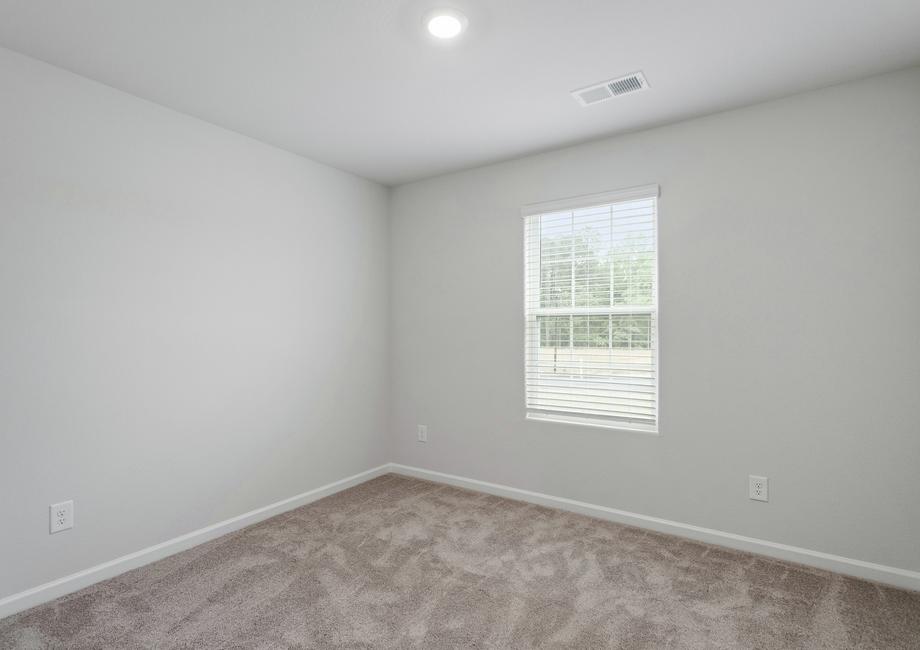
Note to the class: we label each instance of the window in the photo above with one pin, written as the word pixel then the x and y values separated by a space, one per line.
pixel 591 307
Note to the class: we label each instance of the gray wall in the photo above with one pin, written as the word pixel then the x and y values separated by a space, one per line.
pixel 192 323
pixel 790 313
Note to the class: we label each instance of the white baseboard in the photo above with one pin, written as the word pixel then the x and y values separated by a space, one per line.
pixel 62 586
pixel 903 578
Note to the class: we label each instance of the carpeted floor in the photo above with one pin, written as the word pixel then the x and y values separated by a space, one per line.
pixel 403 563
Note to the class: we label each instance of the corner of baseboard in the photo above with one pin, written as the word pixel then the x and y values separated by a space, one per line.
pixel 42 593
pixel 896 577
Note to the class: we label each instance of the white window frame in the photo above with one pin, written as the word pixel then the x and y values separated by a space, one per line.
pixel 575 203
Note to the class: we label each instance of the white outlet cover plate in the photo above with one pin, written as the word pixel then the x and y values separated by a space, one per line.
pixel 759 488
pixel 423 433
pixel 60 516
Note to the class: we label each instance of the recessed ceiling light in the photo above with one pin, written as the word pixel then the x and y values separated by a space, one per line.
pixel 445 23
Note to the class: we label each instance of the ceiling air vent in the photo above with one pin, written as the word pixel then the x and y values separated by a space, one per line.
pixel 631 83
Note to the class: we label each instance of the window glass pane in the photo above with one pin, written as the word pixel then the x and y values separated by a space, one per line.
pixel 632 254
pixel 632 331
pixel 591 331
pixel 556 260
pixel 554 331
pixel 591 252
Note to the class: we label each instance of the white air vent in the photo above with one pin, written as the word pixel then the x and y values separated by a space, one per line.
pixel 605 90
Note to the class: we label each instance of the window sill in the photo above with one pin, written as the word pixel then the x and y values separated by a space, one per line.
pixel 597 423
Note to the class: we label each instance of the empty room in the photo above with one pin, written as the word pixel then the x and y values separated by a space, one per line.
pixel 459 324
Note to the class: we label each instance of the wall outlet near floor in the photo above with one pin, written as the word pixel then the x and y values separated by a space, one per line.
pixel 423 433
pixel 61 516
pixel 759 488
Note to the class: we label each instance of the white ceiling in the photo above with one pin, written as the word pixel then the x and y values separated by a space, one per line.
pixel 358 84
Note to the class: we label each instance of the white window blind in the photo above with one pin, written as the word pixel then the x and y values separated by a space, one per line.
pixel 591 310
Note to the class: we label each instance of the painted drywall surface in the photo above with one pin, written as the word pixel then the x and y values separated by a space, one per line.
pixel 191 323
pixel 790 312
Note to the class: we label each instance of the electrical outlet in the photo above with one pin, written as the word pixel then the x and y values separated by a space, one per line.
pixel 61 515
pixel 759 488
pixel 423 433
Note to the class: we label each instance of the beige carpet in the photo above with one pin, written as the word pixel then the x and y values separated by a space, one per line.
pixel 403 563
